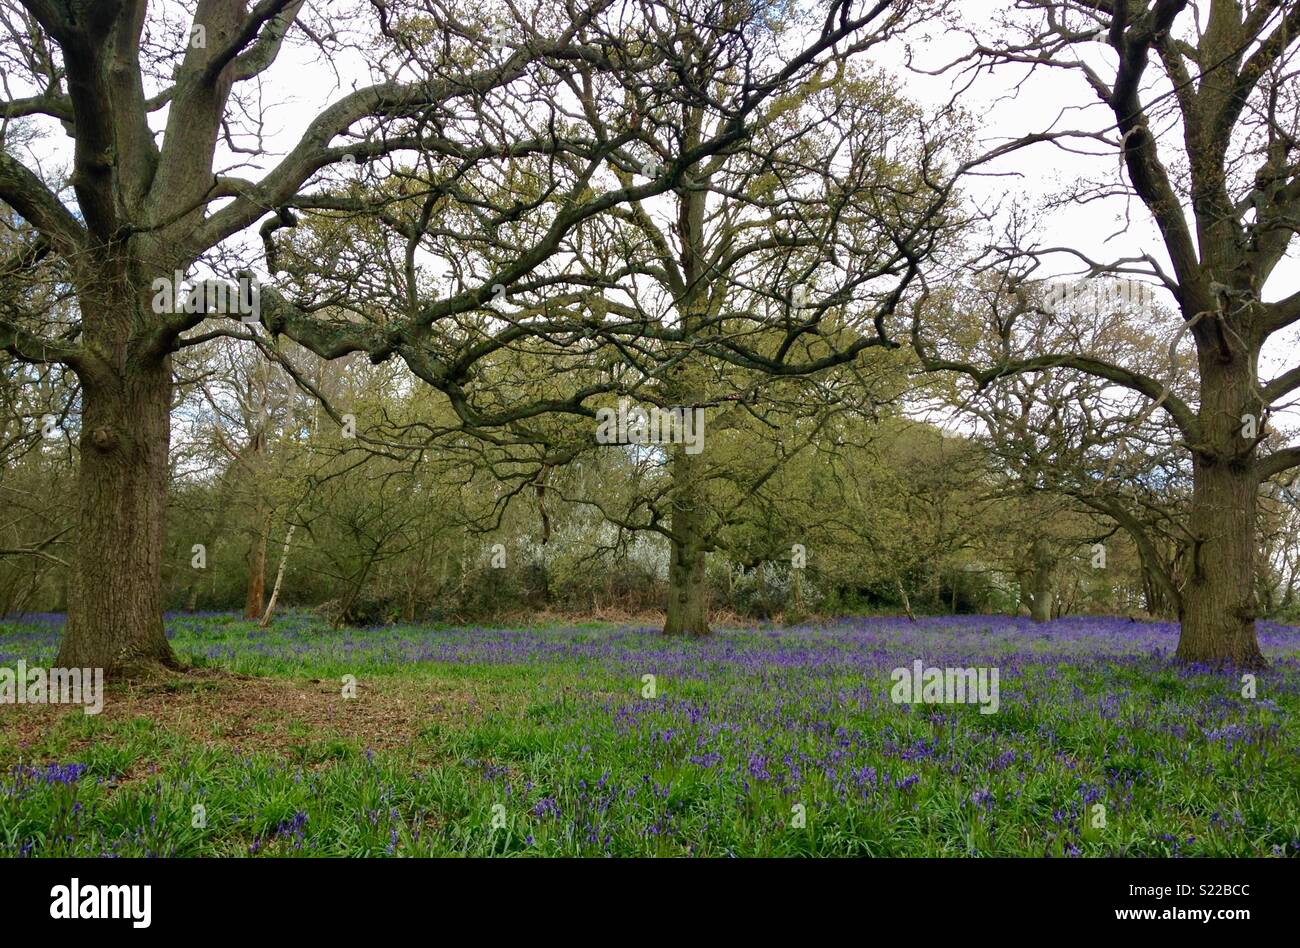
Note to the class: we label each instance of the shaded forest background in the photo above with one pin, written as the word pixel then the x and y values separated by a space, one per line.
pixel 883 512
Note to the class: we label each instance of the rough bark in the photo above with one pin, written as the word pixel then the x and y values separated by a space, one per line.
pixel 255 592
pixel 1040 592
pixel 1219 608
pixel 688 600
pixel 115 617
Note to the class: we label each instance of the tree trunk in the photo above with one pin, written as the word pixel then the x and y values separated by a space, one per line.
pixel 1218 619
pixel 115 616
pixel 354 591
pixel 902 594
pixel 1156 598
pixel 255 594
pixel 1152 599
pixel 687 387
pixel 688 599
pixel 1040 581
pixel 279 577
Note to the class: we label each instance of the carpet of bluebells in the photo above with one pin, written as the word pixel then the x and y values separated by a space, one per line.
pixel 764 741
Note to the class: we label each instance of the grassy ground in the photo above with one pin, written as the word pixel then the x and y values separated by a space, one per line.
pixel 540 742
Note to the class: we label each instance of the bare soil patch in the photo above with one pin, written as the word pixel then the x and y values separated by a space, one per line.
pixel 255 713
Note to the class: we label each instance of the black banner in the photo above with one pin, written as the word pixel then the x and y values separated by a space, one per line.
pixel 145 898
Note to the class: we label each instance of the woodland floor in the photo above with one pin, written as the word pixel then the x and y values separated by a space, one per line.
pixel 758 741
